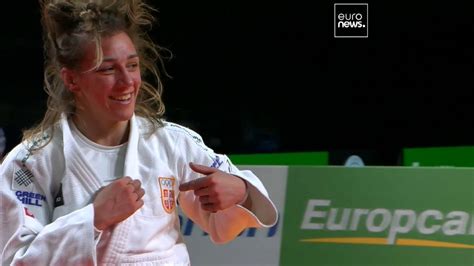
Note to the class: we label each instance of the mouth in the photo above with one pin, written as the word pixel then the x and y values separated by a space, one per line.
pixel 125 98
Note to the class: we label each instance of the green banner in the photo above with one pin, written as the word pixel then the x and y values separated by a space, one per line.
pixel 378 216
pixel 439 156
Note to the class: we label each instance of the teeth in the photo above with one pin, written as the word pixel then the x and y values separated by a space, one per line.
pixel 122 98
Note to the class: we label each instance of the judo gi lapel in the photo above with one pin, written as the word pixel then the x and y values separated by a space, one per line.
pixel 131 158
pixel 75 162
pixel 123 229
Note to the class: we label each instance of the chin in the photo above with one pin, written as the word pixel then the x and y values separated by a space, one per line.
pixel 125 116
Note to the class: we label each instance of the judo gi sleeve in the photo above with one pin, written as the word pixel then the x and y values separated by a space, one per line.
pixel 223 226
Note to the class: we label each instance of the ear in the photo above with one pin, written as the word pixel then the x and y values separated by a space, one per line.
pixel 69 78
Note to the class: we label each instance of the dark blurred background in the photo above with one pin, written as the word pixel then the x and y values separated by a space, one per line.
pixel 269 76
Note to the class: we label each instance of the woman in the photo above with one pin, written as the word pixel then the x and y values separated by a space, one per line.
pixel 98 180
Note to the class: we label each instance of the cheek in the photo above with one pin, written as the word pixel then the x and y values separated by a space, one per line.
pixel 98 88
pixel 137 81
pixel 98 84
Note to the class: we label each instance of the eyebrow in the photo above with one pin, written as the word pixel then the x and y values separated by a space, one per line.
pixel 108 59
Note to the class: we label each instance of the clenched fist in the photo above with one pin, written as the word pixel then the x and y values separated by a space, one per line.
pixel 117 201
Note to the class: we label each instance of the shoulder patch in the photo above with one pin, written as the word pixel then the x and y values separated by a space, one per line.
pixel 216 162
pixel 22 178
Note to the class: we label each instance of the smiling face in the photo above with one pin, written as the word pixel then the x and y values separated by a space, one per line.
pixel 106 94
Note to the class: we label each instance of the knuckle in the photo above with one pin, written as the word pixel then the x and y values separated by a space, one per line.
pixel 132 197
pixel 128 189
pixel 122 184
pixel 212 180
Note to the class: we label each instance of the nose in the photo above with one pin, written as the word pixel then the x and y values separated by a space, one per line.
pixel 125 78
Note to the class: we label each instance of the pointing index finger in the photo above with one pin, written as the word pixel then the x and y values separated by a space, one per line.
pixel 194 184
pixel 202 169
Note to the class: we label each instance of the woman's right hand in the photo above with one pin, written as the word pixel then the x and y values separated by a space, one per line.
pixel 117 201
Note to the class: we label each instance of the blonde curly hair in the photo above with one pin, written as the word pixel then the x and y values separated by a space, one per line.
pixel 67 26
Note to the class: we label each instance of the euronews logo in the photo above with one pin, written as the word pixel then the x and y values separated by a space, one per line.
pixel 393 223
pixel 351 20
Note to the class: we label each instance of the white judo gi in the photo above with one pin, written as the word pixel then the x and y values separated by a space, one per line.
pixel 47 216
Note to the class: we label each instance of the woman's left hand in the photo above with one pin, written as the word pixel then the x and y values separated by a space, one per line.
pixel 217 190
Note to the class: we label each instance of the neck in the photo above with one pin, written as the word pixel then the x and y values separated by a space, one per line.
pixel 101 132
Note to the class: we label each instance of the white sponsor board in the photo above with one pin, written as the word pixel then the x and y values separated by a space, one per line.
pixel 254 246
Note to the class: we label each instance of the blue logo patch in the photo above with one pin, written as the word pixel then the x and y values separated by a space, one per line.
pixel 30 198
pixel 216 163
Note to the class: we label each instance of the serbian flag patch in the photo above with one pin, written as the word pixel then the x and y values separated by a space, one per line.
pixel 167 193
